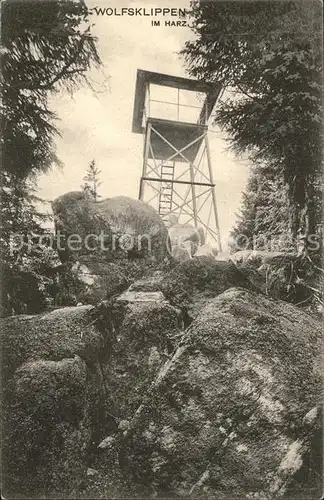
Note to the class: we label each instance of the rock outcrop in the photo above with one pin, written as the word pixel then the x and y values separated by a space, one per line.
pixel 113 228
pixel 181 386
pixel 191 283
pixel 71 376
pixel 233 413
pixel 145 329
pixel 54 400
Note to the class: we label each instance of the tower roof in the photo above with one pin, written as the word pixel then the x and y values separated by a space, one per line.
pixel 144 78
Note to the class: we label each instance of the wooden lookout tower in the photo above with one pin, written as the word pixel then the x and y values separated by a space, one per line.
pixel 173 113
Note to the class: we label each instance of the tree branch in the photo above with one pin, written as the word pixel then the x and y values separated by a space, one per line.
pixel 29 85
pixel 255 99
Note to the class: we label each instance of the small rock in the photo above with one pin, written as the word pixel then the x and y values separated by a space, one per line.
pixel 204 250
pixel 107 442
pixel 311 416
pixel 123 425
pixel 92 472
pixel 180 253
pixel 132 296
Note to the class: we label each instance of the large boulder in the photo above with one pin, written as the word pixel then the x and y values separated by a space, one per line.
pixel 233 414
pixel 145 329
pixel 54 400
pixel 179 233
pixel 112 228
pixel 191 283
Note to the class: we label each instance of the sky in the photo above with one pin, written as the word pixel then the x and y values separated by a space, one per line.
pixel 97 125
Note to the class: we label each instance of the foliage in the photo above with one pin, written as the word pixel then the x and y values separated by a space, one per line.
pixel 263 222
pixel 286 276
pixel 92 181
pixel 19 214
pixel 46 47
pixel 269 54
pixel 295 281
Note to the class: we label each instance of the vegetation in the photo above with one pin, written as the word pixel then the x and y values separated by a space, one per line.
pixel 267 57
pixel 46 47
pixel 92 180
pixel 268 53
pixel 263 222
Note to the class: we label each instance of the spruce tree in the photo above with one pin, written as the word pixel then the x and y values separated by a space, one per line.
pixel 47 46
pixel 92 180
pixel 269 55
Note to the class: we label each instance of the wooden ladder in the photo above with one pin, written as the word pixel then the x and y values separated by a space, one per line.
pixel 166 192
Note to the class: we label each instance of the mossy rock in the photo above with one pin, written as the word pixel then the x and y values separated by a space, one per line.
pixel 191 283
pixel 111 229
pixel 233 414
pixel 54 400
pixel 145 328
